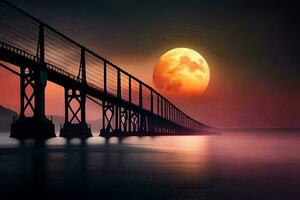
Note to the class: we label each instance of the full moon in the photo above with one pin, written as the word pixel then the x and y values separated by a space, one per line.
pixel 181 71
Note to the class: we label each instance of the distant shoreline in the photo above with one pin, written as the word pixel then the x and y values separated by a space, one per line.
pixel 258 129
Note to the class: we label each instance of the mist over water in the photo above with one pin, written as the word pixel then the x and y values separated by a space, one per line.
pixel 232 165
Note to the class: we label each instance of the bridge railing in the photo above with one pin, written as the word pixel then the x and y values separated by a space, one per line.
pixel 64 55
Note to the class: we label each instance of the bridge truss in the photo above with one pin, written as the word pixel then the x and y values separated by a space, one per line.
pixel 129 106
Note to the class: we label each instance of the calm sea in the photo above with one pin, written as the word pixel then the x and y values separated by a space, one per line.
pixel 232 165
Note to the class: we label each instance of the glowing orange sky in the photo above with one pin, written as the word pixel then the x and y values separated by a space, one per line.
pixel 251 50
pixel 219 106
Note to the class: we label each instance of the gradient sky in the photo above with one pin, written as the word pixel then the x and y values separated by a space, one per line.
pixel 250 46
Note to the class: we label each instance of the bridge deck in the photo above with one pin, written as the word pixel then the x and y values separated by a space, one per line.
pixel 61 77
pixel 25 41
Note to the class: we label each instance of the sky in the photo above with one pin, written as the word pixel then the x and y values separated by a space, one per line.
pixel 251 48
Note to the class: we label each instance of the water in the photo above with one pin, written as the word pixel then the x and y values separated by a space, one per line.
pixel 240 165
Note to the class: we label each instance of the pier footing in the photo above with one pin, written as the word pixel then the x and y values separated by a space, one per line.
pixel 32 128
pixel 76 131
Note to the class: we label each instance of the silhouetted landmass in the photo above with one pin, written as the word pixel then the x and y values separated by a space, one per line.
pixel 258 130
pixel 60 120
pixel 6 117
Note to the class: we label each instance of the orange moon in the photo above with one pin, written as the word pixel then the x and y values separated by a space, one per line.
pixel 181 71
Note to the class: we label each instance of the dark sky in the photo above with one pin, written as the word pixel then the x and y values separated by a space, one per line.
pixel 251 47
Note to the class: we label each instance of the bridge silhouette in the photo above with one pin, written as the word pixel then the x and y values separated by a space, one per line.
pixel 129 106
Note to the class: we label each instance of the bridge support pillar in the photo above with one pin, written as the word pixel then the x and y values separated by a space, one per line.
pixel 115 120
pixel 124 120
pixel 32 122
pixel 143 126
pixel 151 126
pixel 119 121
pixel 133 122
pixel 108 114
pixel 75 125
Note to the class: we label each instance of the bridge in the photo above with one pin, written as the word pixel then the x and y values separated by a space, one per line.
pixel 42 54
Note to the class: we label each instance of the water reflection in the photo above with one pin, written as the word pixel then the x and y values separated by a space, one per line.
pixel 8 142
pixel 227 166
pixel 96 141
pixel 147 165
pixel 56 141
